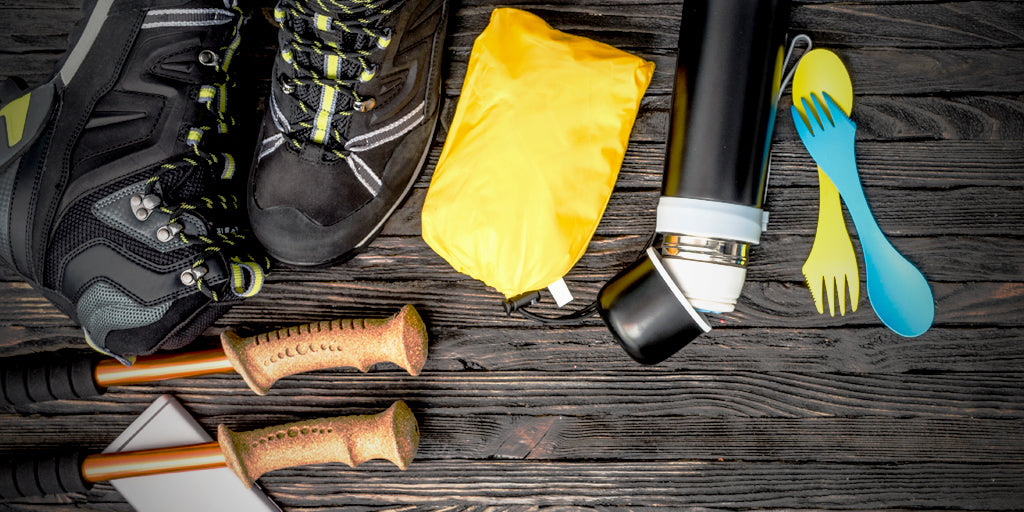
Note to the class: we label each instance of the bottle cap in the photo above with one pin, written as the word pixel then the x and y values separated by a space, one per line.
pixel 647 312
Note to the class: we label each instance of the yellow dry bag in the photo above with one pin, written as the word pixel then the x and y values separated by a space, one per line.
pixel 533 152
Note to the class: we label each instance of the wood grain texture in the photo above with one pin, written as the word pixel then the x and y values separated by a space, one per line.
pixel 873 71
pixel 979 24
pixel 673 485
pixel 470 303
pixel 777 408
pixel 631 438
pixel 533 348
pixel 742 394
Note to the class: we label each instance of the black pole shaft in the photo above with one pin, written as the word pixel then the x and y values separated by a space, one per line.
pixel 43 475
pixel 48 378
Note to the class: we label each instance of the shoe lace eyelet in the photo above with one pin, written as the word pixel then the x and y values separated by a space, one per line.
pixel 365 105
pixel 385 39
pixel 143 205
pixel 209 58
pixel 191 276
pixel 287 88
pixel 167 233
pixel 368 73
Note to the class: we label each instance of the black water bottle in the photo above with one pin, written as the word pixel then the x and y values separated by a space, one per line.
pixel 716 169
pixel 723 108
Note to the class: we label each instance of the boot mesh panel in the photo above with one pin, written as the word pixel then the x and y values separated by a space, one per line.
pixel 102 308
pixel 79 226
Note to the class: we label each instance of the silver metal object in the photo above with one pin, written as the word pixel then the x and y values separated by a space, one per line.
pixel 191 276
pixel 143 205
pixel 208 58
pixel 712 250
pixel 168 232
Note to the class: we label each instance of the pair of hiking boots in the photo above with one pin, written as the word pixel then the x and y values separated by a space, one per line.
pixel 135 193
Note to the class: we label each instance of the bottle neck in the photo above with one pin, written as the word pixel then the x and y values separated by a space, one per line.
pixel 710 250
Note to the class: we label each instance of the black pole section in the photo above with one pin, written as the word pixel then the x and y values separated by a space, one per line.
pixel 722 105
pixel 44 379
pixel 41 476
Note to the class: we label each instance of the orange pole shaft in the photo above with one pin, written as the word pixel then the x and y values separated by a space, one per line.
pixel 101 467
pixel 109 372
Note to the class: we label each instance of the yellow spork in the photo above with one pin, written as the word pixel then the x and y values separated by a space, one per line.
pixel 831 267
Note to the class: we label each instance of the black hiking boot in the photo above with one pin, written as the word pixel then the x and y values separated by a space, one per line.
pixel 116 197
pixel 354 102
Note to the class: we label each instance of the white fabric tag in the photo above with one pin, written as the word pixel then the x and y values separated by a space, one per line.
pixel 560 292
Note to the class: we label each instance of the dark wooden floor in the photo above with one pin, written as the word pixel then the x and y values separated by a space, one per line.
pixel 778 408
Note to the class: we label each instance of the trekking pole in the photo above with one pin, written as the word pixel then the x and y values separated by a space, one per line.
pixel 261 360
pixel 392 434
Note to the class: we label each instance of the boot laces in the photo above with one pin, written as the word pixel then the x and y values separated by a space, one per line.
pixel 326 48
pixel 247 267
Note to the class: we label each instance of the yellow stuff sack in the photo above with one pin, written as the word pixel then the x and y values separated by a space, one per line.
pixel 533 152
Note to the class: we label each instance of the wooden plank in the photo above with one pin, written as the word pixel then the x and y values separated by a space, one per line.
pixel 844 350
pixel 667 484
pixel 615 438
pixel 635 392
pixel 34 68
pixel 909 164
pixel 867 350
pixel 656 25
pixel 763 304
pixel 302 498
pixel 16 5
pixel 33 30
pixel 538 348
pixel 982 24
pixel 470 303
pixel 873 71
pixel 966 117
pixel 939 25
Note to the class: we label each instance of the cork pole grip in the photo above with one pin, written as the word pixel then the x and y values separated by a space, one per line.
pixel 392 435
pixel 265 358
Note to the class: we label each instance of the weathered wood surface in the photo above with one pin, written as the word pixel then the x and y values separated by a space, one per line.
pixel 778 408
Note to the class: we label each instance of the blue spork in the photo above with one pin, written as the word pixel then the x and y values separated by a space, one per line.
pixel 897 289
